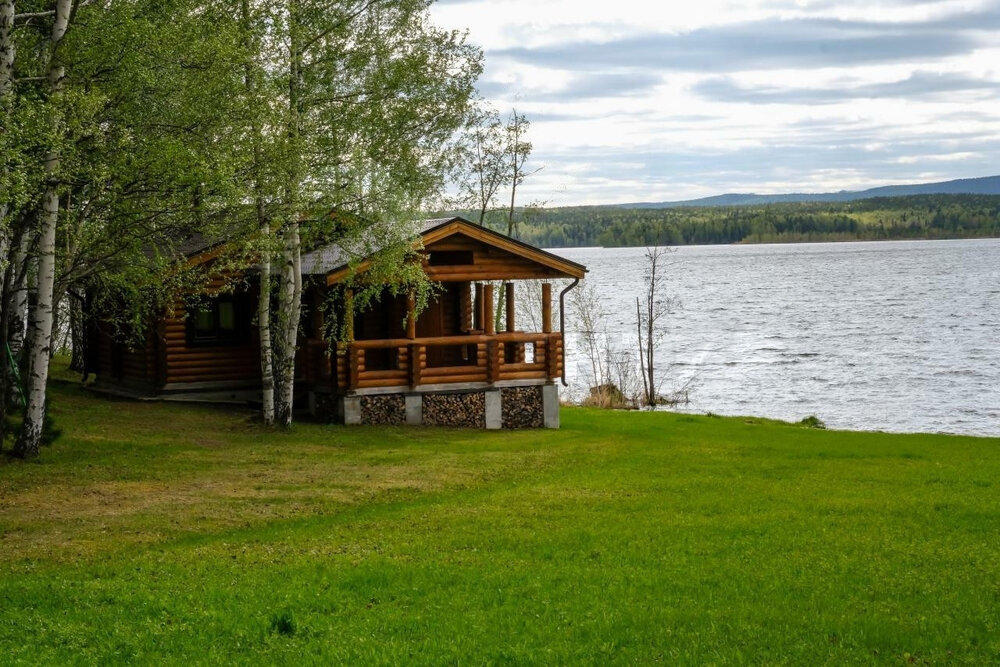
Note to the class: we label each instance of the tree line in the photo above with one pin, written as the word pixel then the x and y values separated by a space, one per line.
pixel 913 217
pixel 127 128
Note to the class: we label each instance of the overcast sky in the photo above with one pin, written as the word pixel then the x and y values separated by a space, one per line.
pixel 634 100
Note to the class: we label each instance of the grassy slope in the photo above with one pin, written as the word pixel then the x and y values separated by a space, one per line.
pixel 175 533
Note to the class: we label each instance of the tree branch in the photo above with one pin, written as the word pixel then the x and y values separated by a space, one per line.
pixel 27 16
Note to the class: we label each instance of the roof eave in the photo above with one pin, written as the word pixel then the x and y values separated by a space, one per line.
pixel 569 268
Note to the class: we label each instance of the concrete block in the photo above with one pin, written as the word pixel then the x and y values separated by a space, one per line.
pixel 550 405
pixel 414 409
pixel 352 410
pixel 494 409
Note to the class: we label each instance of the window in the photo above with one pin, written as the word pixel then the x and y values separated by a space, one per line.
pixel 215 322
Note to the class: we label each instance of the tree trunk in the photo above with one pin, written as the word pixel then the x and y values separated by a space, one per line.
pixel 263 223
pixel 264 331
pixel 77 332
pixel 21 266
pixel 510 211
pixel 7 52
pixel 5 370
pixel 650 326
pixel 30 439
pixel 483 197
pixel 6 87
pixel 289 300
pixel 642 355
pixel 290 291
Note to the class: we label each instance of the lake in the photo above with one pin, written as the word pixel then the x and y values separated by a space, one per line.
pixel 894 336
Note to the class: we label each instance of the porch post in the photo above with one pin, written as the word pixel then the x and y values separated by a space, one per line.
pixel 488 324
pixel 465 302
pixel 479 307
pixel 352 354
pixel 546 308
pixel 510 306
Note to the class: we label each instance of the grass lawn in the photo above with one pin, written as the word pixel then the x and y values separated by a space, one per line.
pixel 171 533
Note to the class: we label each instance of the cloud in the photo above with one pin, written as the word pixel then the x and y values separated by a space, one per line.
pixel 809 163
pixel 718 96
pixel 579 87
pixel 919 85
pixel 769 44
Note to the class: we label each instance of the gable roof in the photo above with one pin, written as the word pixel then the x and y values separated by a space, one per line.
pixel 325 259
pixel 334 261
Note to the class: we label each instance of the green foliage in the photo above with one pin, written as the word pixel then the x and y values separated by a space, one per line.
pixel 623 537
pixel 812 421
pixel 915 217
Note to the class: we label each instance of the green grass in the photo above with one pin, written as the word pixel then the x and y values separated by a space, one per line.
pixel 170 533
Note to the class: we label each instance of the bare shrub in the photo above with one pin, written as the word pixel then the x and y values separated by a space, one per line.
pixel 651 312
pixel 610 375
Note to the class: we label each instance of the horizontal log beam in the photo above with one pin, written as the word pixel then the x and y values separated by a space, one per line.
pixel 522 375
pixel 517 337
pixel 438 371
pixel 513 367
pixel 384 375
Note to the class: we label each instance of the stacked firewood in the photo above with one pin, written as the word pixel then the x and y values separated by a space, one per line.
pixel 455 409
pixel 386 409
pixel 522 407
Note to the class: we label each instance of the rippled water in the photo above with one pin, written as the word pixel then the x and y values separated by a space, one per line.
pixel 895 336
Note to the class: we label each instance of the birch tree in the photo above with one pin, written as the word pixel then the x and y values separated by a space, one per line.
pixel 120 158
pixel 30 438
pixel 651 310
pixel 258 118
pixel 518 150
pixel 7 55
pixel 177 113
pixel 369 97
pixel 487 163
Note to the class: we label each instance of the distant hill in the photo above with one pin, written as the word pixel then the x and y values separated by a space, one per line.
pixel 987 185
pixel 876 218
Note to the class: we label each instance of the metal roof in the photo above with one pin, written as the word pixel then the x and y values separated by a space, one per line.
pixel 325 259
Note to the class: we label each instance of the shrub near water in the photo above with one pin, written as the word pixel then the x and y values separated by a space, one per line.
pixel 609 397
pixel 166 533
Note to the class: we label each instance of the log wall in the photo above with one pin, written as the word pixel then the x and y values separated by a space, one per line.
pixel 184 361
pixel 488 263
pixel 117 363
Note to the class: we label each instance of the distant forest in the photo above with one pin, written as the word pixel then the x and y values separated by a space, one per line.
pixel 884 218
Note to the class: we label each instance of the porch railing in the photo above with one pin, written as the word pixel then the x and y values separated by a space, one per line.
pixel 490 358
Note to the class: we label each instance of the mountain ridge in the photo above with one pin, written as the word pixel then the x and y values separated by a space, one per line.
pixel 984 185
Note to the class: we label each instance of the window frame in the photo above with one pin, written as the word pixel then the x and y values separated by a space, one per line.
pixel 218 337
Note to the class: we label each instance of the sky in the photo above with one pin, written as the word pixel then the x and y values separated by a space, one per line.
pixel 633 100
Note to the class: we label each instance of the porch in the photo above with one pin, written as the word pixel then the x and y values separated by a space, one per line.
pixel 463 360
pixel 479 356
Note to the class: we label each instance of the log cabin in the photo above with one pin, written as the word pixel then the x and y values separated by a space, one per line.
pixel 452 364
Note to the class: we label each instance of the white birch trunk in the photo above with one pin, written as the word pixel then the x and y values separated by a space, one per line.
pixel 21 273
pixel 6 46
pixel 264 331
pixel 290 301
pixel 30 439
pixel 290 291
pixel 264 296
pixel 6 87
